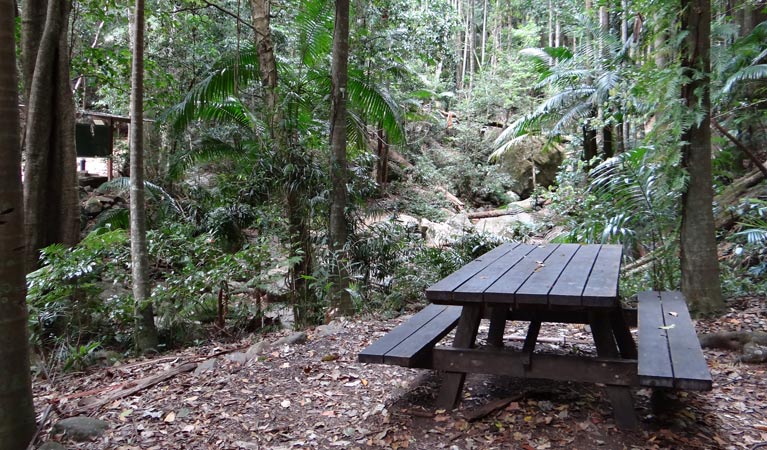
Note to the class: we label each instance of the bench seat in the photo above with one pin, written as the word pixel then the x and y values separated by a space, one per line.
pixel 669 351
pixel 408 344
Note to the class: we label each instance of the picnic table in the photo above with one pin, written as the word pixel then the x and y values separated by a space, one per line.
pixel 565 283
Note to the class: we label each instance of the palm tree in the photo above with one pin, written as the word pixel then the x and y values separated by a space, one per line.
pixel 583 87
pixel 222 98
pixel 17 414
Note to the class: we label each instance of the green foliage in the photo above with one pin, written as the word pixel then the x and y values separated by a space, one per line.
pixel 633 199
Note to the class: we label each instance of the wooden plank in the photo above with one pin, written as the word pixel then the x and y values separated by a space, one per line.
pixel 620 396
pixel 602 287
pixel 532 337
pixel 375 352
pixel 505 288
pixel 536 289
pixel 623 337
pixel 423 339
pixel 498 314
pixel 568 289
pixel 465 335
pixel 474 288
pixel 443 289
pixel 689 364
pixel 654 367
pixel 545 366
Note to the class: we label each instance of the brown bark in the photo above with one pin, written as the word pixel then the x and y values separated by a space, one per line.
pixel 699 262
pixel 17 414
pixel 300 247
pixel 340 301
pixel 52 212
pixel 145 332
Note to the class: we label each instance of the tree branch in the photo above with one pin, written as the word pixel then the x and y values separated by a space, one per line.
pixel 740 145
pixel 229 13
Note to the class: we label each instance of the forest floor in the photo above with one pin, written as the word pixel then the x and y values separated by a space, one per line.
pixel 316 395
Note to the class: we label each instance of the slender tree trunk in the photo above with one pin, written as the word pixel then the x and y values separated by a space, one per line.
pixel 145 333
pixel 550 29
pixel 341 302
pixel 306 309
pixel 52 212
pixel 484 31
pixel 699 262
pixel 17 413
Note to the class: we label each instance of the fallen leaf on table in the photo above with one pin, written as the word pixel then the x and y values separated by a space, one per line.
pixel 667 327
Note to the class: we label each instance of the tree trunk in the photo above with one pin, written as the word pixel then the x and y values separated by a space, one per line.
pixel 699 262
pixel 52 212
pixel 17 413
pixel 306 309
pixel 145 332
pixel 484 32
pixel 340 301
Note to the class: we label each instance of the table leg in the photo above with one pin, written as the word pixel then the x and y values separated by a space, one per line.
pixel 498 315
pixel 620 396
pixel 465 335
pixel 530 340
pixel 626 344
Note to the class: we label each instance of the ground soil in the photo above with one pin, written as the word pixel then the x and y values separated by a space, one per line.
pixel 316 395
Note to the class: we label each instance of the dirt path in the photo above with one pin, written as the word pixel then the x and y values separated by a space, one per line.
pixel 315 395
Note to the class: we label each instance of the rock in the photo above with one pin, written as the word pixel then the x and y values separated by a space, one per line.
pixel 437 234
pixel 512 196
pixel 330 329
pixel 81 428
pixel 505 226
pixel 93 206
pixel 295 338
pixel 238 357
pixel 51 445
pixel 257 349
pixel 461 223
pixel 104 199
pixel 208 364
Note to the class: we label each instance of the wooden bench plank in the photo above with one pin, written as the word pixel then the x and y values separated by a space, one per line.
pixel 474 289
pixel 505 288
pixel 375 352
pixel 443 289
pixel 568 289
pixel 536 289
pixel 654 365
pixel 602 287
pixel 409 351
pixel 690 368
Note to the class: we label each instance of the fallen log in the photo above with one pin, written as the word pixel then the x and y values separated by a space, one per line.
pixel 134 387
pixel 740 188
pixel 459 205
pixel 495 213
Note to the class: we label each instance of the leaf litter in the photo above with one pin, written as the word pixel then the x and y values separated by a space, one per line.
pixel 316 395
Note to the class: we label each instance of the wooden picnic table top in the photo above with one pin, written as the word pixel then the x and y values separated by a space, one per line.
pixel 551 275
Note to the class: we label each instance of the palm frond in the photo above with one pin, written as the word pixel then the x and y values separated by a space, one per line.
pixel 228 74
pixel 376 106
pixel 209 149
pixel 756 72
pixel 155 192
pixel 315 25
pixel 572 116
pixel 564 99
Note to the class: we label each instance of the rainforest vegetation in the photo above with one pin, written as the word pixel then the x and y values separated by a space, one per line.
pixel 336 158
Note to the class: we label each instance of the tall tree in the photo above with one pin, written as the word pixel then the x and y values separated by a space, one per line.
pixel 341 303
pixel 145 333
pixel 17 414
pixel 52 213
pixel 305 307
pixel 699 262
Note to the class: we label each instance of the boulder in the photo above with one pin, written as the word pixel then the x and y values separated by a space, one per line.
pixel 81 428
pixel 208 364
pixel 295 338
pixel 92 206
pixel 504 226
